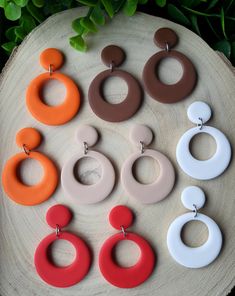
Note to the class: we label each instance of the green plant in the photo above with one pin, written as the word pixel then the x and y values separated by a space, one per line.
pixel 213 20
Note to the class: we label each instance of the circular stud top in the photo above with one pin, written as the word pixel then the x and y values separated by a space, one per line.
pixel 199 110
pixel 165 36
pixel 113 54
pixel 53 57
pixel 86 134
pixel 121 216
pixel 58 215
pixel 193 195
pixel 141 133
pixel 30 137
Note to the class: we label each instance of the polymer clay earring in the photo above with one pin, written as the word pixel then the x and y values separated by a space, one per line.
pixel 193 198
pixel 87 136
pixel 166 38
pixel 121 217
pixel 141 136
pixel 28 139
pixel 51 59
pixel 113 56
pixel 199 113
pixel 58 217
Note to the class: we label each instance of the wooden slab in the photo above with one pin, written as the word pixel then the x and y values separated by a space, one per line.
pixel 22 228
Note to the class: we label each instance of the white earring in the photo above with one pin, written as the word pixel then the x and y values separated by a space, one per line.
pixel 87 194
pixel 141 136
pixel 193 198
pixel 200 113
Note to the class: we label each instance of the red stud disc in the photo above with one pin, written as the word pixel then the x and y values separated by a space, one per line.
pixel 58 215
pixel 121 216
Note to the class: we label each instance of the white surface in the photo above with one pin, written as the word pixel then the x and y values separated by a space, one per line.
pixel 87 134
pixel 193 195
pixel 198 110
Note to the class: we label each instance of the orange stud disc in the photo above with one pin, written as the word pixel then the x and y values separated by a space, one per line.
pixel 28 137
pixel 53 57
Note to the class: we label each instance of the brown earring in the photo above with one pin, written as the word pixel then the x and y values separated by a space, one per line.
pixel 166 38
pixel 113 56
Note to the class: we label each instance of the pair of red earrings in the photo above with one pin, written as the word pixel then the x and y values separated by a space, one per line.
pixel 120 217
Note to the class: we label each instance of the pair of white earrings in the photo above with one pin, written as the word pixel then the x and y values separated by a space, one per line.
pixel 141 136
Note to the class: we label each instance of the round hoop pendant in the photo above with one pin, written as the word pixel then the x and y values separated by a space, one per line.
pixel 166 93
pixel 194 257
pixel 203 169
pixel 88 194
pixel 148 193
pixel 114 112
pixel 67 276
pixel 29 195
pixel 129 277
pixel 52 115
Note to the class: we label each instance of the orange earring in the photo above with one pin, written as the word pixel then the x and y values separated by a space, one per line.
pixel 52 59
pixel 28 139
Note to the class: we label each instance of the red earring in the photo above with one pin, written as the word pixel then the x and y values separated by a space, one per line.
pixel 57 217
pixel 121 217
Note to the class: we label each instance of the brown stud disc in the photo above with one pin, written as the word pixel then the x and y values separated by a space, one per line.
pixel 112 54
pixel 165 36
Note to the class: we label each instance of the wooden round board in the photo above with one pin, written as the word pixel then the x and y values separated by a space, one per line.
pixel 22 228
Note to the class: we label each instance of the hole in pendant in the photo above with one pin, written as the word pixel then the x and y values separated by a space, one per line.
pixel 115 90
pixel 87 171
pixel 53 92
pixel 202 146
pixel 61 253
pixel 146 170
pixel 126 253
pixel 194 233
pixel 30 171
pixel 169 71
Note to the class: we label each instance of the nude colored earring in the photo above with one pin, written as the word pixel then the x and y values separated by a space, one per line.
pixel 199 113
pixel 121 217
pixel 193 198
pixel 51 59
pixel 166 38
pixel 28 139
pixel 113 56
pixel 141 136
pixel 59 217
pixel 87 136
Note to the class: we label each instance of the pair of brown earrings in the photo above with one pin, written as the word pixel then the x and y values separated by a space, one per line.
pixel 113 56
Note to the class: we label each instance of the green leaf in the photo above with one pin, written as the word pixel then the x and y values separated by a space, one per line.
pixel 143 1
pixel 21 3
pixel 35 12
pixel 12 11
pixel 78 43
pixel 108 7
pixel 10 34
pixel 223 23
pixel 160 3
pixel 130 7
pixel 77 27
pixel 212 4
pixel 224 46
pixel 39 3
pixel 177 15
pixel 88 2
pixel 190 3
pixel 233 52
pixel 3 3
pixel 194 23
pixel 20 33
pixel 8 46
pixel 97 16
pixel 88 24
pixel 27 22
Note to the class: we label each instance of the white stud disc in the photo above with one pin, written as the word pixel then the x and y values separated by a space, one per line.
pixel 141 133
pixel 86 133
pixel 198 110
pixel 193 195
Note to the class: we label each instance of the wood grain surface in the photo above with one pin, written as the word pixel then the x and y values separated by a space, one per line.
pixel 22 228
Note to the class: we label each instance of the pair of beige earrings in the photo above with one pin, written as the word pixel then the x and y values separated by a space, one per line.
pixel 141 136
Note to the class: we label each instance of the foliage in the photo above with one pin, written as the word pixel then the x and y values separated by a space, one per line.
pixel 213 20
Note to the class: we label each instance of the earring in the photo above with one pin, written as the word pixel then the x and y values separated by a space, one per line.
pixel 52 59
pixel 28 139
pixel 142 136
pixel 193 198
pixel 113 56
pixel 58 217
pixel 121 217
pixel 199 113
pixel 166 38
pixel 87 136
